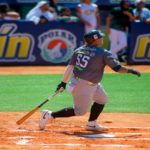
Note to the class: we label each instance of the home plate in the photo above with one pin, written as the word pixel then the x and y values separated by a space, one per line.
pixel 98 135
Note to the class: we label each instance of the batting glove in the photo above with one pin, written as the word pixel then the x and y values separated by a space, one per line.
pixel 135 72
pixel 61 87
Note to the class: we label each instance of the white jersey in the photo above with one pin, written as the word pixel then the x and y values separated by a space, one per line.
pixel 144 14
pixel 88 13
pixel 35 14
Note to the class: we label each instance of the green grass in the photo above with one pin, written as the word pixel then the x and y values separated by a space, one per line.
pixel 127 93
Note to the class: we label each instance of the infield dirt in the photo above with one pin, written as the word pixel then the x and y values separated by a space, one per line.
pixel 123 131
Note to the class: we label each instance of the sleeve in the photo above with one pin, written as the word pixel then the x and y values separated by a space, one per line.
pixel 33 16
pixel 34 19
pixel 148 13
pixel 49 16
pixel 73 60
pixel 110 60
pixel 134 12
pixel 94 5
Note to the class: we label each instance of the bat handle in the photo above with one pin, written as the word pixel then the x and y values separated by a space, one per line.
pixel 48 99
pixel 43 103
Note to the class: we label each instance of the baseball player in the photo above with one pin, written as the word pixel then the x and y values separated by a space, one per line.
pixel 85 70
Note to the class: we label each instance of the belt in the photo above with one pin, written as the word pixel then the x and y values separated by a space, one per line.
pixel 88 82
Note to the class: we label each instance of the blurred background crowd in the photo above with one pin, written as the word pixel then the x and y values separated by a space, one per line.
pixel 115 20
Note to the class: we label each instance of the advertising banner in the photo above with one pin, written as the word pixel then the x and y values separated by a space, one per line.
pixel 139 44
pixel 23 43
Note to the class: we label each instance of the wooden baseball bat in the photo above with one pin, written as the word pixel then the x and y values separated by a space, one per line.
pixel 35 109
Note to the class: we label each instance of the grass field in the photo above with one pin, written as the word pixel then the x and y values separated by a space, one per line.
pixel 127 93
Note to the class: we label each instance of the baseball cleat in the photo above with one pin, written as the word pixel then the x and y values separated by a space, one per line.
pixel 93 125
pixel 46 115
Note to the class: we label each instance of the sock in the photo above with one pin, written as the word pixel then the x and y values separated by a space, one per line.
pixel 96 109
pixel 66 112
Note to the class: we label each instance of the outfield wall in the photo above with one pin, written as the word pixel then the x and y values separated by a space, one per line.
pixel 139 43
pixel 23 43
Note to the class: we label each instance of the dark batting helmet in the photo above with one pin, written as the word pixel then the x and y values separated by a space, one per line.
pixel 91 36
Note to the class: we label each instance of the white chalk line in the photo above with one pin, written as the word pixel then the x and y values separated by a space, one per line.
pixel 102 138
pixel 105 138
pixel 22 142
pixel 25 140
pixel 64 144
pixel 122 127
pixel 89 145
pixel 21 137
pixel 23 130
pixel 139 133
pixel 129 127
pixel 128 138
pixel 115 136
pixel 111 145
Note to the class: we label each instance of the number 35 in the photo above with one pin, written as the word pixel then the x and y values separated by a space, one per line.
pixel 82 60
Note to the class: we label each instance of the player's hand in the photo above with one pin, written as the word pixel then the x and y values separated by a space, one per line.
pixel 135 72
pixel 61 87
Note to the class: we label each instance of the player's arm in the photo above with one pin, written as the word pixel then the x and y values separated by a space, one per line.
pixel 108 23
pixel 116 66
pixel 66 77
pixel 98 18
pixel 123 69
pixel 79 15
pixel 67 74
pixel 130 15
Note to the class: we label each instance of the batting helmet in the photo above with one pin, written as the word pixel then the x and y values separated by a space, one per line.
pixel 91 36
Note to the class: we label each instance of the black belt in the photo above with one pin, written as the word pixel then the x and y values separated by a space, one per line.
pixel 88 82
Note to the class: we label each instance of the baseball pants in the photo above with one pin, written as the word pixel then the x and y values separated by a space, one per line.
pixel 84 93
pixel 118 41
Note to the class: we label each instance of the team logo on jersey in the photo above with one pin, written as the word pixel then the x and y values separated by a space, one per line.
pixel 57 45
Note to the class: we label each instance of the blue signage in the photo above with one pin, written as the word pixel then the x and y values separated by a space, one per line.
pixel 139 44
pixel 24 43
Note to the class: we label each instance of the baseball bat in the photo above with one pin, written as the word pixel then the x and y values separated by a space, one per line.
pixel 25 117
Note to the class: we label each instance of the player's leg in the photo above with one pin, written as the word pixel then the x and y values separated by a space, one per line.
pixel 122 41
pixel 82 100
pixel 113 36
pixel 96 109
pixel 48 115
pixel 82 96
pixel 65 112
pixel 100 99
